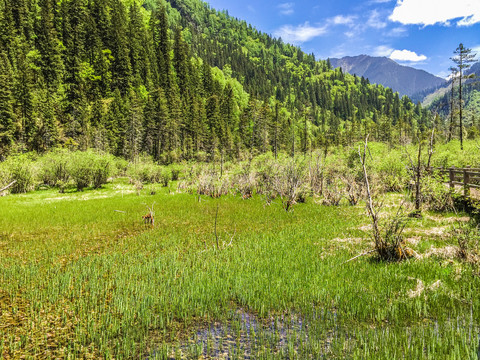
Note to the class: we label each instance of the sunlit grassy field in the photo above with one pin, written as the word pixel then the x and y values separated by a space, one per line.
pixel 81 276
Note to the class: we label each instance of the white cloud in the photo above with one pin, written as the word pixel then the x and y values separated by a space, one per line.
pixel 251 9
pixel 338 51
pixel 375 21
pixel 299 34
pixel 396 32
pixel 286 8
pixel 444 75
pixel 382 50
pixel 430 12
pixel 342 20
pixel 407 55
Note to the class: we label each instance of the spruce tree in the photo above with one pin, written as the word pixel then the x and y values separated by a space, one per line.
pixel 23 90
pixel 7 117
pixel 463 60
pixel 121 70
pixel 139 48
pixel 48 45
pixel 161 41
pixel 47 130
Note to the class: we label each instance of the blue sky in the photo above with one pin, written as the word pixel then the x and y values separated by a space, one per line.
pixel 418 33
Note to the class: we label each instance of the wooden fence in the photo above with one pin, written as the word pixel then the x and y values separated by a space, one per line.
pixel 467 177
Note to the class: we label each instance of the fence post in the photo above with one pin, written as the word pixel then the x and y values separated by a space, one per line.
pixel 452 177
pixel 466 182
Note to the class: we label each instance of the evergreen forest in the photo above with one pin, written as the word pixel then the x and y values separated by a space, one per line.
pixel 176 80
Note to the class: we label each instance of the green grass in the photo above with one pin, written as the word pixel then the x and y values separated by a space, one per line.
pixel 79 278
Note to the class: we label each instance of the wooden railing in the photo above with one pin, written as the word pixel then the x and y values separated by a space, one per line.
pixel 467 177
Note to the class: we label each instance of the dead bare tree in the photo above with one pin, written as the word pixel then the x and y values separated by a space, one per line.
pixel 418 176
pixel 418 171
pixel 287 184
pixel 389 243
pixel 354 190
pixel 216 235
pixel 430 149
pixel 371 211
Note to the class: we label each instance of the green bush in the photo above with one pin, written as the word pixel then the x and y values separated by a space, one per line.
pixel 120 167
pixel 391 167
pixel 89 169
pixel 165 177
pixel 53 168
pixel 22 169
pixel 145 172
pixel 435 195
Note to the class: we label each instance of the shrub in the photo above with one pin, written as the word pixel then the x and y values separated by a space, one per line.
pixel 211 184
pixel 436 195
pixel 244 182
pixel 289 183
pixel 101 169
pixel 468 238
pixel 393 172
pixel 165 177
pixel 22 169
pixel 146 172
pixel 120 167
pixel 175 174
pixel 53 168
pixel 89 169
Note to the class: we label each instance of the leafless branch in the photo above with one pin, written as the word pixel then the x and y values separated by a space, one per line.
pixel 216 235
pixel 9 186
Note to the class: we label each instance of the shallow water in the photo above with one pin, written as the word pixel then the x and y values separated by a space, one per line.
pixel 244 336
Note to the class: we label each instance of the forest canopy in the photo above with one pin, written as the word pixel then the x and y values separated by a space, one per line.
pixel 176 80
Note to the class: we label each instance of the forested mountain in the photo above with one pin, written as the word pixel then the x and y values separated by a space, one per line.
pixel 381 70
pixel 440 101
pixel 175 80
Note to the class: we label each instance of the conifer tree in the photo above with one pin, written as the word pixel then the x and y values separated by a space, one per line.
pixel 463 60
pixel 7 28
pixel 7 117
pixel 115 124
pixel 23 96
pixel 180 61
pixel 139 48
pixel 121 70
pixel 134 130
pixel 48 45
pixel 161 41
pixel 47 130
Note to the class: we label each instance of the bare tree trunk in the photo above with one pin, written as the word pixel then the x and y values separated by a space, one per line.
pixel 450 131
pixel 216 235
pixel 461 120
pixel 370 209
pixel 8 186
pixel 276 126
pixel 430 150
pixel 221 163
pixel 418 178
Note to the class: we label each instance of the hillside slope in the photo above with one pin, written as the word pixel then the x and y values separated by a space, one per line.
pixel 381 70
pixel 175 80
pixel 440 99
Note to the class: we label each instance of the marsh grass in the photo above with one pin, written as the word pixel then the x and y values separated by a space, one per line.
pixel 82 277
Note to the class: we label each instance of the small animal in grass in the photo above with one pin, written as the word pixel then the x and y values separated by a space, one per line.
pixel 149 219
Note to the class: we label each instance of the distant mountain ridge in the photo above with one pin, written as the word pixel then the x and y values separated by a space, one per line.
pixel 381 70
pixel 439 99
